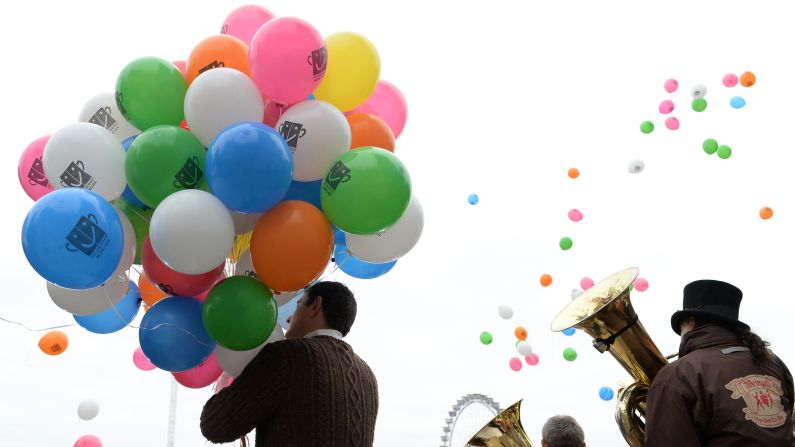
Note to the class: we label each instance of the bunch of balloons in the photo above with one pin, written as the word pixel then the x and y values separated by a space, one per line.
pixel 234 178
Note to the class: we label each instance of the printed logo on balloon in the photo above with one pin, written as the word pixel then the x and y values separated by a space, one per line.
pixel 167 288
pixel 36 175
pixel 75 176
pixel 189 175
pixel 318 61
pixel 87 237
pixel 120 103
pixel 224 28
pixel 102 118
pixel 211 65
pixel 292 132
pixel 339 173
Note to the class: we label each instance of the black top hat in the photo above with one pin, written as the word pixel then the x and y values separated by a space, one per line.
pixel 711 301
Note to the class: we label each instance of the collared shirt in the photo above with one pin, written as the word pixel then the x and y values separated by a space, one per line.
pixel 327 332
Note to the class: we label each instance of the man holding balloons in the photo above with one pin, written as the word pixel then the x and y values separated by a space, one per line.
pixel 308 390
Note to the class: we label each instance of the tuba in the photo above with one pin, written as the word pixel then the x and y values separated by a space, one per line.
pixel 605 313
pixel 505 430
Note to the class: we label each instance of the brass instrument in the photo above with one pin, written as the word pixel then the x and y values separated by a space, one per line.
pixel 505 430
pixel 605 313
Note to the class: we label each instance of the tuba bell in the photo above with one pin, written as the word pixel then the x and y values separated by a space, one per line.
pixel 605 313
pixel 504 430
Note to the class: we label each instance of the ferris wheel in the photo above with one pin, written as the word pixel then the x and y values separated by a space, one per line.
pixel 468 415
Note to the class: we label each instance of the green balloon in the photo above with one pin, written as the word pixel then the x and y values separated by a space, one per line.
pixel 724 152
pixel 710 146
pixel 239 313
pixel 486 338
pixel 366 190
pixel 150 92
pixel 570 354
pixel 646 127
pixel 699 104
pixel 566 243
pixel 139 219
pixel 162 161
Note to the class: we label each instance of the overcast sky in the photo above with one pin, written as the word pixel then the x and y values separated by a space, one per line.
pixel 503 98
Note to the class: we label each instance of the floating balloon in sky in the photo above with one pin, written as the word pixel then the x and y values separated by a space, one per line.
pixel 486 338
pixel 586 283
pixel 505 312
pixel 53 343
pixel 524 348
pixel 636 166
pixel 766 212
pixel 737 102
pixel 747 79
pixel 573 173
pixel 605 393
pixel 575 215
pixel 699 104
pixel 545 280
pixel 473 199
pixel 666 107
pixel 88 409
pixel 569 332
pixel 710 146
pixel 672 123
pixel 88 441
pixel 641 284
pixel 647 127
pixel 520 333
pixel 531 359
pixel 724 152
pixel 730 80
pixel 671 85
pixel 575 293
pixel 699 91
pixel 565 243
pixel 570 354
pixel 515 364
pixel 141 362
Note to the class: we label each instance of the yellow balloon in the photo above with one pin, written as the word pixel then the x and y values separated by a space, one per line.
pixel 352 72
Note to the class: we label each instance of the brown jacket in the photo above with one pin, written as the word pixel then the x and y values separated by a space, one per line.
pixel 298 393
pixel 718 397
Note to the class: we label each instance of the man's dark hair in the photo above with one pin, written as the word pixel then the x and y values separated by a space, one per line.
pixel 562 431
pixel 339 305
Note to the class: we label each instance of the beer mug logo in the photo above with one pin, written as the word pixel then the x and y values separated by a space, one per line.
pixel 224 28
pixel 210 66
pixel 292 132
pixel 168 289
pixel 87 237
pixel 189 175
pixel 36 174
pixel 75 176
pixel 251 273
pixel 120 103
pixel 318 62
pixel 102 118
pixel 339 173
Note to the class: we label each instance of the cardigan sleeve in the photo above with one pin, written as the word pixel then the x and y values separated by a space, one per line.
pixel 252 398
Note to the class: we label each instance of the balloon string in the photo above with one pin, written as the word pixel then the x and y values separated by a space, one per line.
pixel 37 330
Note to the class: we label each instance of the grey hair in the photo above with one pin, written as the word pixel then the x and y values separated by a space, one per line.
pixel 563 431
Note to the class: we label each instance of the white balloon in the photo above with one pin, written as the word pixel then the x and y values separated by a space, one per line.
pixel 84 155
pixel 524 348
pixel 90 301
pixel 392 243
pixel 219 98
pixel 318 133
pixel 233 362
pixel 505 312
pixel 103 111
pixel 636 166
pixel 245 266
pixel 699 91
pixel 192 232
pixel 244 222
pixel 88 409
pixel 575 293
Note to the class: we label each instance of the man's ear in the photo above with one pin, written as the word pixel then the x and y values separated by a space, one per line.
pixel 316 306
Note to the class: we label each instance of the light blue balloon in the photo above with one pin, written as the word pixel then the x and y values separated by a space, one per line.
pixel 737 102
pixel 353 266
pixel 116 317
pixel 249 167
pixel 172 335
pixel 128 194
pixel 73 238
pixel 569 332
pixel 287 310
pixel 605 393
pixel 473 199
pixel 306 191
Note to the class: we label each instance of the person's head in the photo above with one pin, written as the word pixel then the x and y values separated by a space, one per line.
pixel 562 431
pixel 324 305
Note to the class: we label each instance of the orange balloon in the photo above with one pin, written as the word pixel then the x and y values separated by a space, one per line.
pixel 520 333
pixel 766 212
pixel 291 245
pixel 546 280
pixel 217 51
pixel 370 130
pixel 747 79
pixel 53 343
pixel 574 173
pixel 150 294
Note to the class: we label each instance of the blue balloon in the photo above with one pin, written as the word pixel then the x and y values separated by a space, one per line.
pixel 307 191
pixel 353 266
pixel 249 167
pixel 339 236
pixel 737 102
pixel 73 237
pixel 128 194
pixel 116 317
pixel 605 393
pixel 473 199
pixel 311 97
pixel 569 332
pixel 172 335
pixel 287 310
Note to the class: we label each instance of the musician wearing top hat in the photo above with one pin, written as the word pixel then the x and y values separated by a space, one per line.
pixel 726 388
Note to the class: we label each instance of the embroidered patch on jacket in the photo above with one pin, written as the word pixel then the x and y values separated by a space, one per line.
pixel 762 395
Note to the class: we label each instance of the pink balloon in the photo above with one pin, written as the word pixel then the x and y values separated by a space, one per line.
pixel 641 285
pixel 515 364
pixel 31 170
pixel 183 67
pixel 201 376
pixel 387 103
pixel 575 215
pixel 141 362
pixel 671 85
pixel 288 60
pixel 730 80
pixel 672 123
pixel 244 22
pixel 88 441
pixel 531 359
pixel 666 107
pixel 586 283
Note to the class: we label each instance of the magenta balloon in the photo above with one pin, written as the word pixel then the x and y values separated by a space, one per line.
pixel 141 362
pixel 31 170
pixel 201 376
pixel 244 22
pixel 88 441
pixel 387 103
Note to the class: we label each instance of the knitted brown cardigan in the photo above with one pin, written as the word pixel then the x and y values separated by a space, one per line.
pixel 298 392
